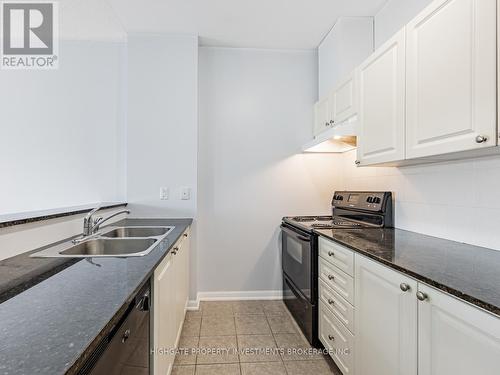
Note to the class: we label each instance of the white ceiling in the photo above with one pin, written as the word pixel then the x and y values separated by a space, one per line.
pixel 286 24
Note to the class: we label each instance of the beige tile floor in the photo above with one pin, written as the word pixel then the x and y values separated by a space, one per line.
pixel 251 338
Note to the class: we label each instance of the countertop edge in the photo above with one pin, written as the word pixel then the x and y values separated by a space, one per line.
pixel 41 216
pixel 77 364
pixel 488 307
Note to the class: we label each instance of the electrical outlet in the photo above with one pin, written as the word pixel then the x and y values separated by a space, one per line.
pixel 164 193
pixel 185 193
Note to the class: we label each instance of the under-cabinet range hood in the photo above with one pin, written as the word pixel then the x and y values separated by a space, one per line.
pixel 338 139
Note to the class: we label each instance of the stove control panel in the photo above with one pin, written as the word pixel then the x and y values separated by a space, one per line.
pixel 370 201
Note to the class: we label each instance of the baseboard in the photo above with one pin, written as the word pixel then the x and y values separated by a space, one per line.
pixel 235 296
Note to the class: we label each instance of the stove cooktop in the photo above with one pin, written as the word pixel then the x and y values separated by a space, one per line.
pixel 323 222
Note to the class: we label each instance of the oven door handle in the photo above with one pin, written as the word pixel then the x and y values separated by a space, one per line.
pixel 295 234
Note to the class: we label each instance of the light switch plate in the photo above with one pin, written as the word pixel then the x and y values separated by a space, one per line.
pixel 164 193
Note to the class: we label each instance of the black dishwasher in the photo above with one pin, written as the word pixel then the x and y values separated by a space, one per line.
pixel 125 349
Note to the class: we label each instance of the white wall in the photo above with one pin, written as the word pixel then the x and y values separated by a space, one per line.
pixel 459 201
pixel 348 43
pixel 162 123
pixel 255 114
pixel 62 131
pixel 62 139
pixel 394 15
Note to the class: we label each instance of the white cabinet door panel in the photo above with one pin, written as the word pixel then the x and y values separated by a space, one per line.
pixel 451 77
pixel 338 255
pixel 456 338
pixel 165 330
pixel 321 115
pixel 381 80
pixel 385 321
pixel 337 339
pixel 342 309
pixel 344 100
pixel 337 280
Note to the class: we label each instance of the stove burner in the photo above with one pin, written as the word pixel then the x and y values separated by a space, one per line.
pixel 323 218
pixel 346 223
pixel 303 219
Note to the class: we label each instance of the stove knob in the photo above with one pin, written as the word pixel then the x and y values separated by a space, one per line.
pixel 369 200
pixel 376 200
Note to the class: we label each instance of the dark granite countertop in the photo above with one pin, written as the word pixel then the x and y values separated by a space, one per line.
pixel 468 272
pixel 51 326
pixel 9 220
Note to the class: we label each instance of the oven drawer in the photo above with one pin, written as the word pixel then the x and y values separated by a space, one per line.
pixel 337 340
pixel 338 255
pixel 337 280
pixel 342 310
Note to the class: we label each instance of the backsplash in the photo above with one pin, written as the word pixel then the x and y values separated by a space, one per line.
pixel 459 201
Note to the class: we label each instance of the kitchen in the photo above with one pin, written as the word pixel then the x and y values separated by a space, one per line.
pixel 197 121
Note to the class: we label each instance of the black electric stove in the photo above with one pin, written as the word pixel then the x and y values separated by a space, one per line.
pixel 350 210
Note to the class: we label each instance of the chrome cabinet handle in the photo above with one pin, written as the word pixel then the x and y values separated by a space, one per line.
pixel 331 253
pixel 331 277
pixel 331 301
pixel 357 162
pixel 327 124
pixel 332 122
pixel 185 234
pixel 404 287
pixel 331 338
pixel 481 139
pixel 176 249
pixel 421 296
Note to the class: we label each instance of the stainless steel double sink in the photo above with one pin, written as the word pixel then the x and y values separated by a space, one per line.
pixel 133 241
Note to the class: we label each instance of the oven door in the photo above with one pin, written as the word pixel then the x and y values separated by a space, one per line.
pixel 297 255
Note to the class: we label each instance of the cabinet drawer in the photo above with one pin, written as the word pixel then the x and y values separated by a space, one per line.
pixel 338 255
pixel 342 310
pixel 337 340
pixel 337 280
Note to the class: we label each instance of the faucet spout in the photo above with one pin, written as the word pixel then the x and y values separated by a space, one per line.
pixel 98 222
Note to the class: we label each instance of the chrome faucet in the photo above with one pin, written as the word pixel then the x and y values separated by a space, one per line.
pixel 91 225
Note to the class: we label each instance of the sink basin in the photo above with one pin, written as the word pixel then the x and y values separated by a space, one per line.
pixel 123 232
pixel 107 247
pixel 120 242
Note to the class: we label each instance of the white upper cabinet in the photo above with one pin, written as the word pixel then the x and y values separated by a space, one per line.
pixel 451 79
pixel 381 80
pixel 322 119
pixel 385 321
pixel 344 100
pixel 454 337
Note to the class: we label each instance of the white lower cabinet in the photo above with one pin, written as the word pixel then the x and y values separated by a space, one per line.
pixel 337 339
pixel 336 298
pixel 403 327
pixel 455 337
pixel 385 320
pixel 170 296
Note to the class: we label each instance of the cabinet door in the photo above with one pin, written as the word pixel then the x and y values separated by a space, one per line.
pixel 186 267
pixel 181 281
pixel 344 100
pixel 381 78
pixel 179 273
pixel 164 332
pixel 321 116
pixel 455 337
pixel 451 78
pixel 385 321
